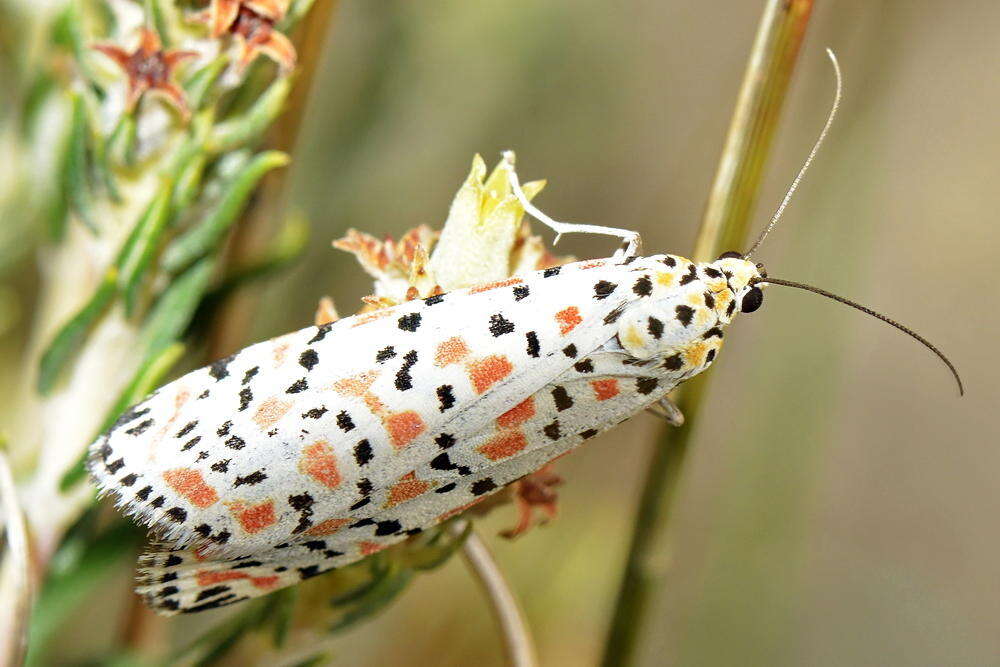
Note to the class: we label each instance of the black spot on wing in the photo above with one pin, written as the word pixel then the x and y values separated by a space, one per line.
pixel 245 397
pixel 499 325
pixel 321 331
pixel 643 286
pixel 409 322
pixel 481 486
pixel 445 396
pixel 344 421
pixel 308 359
pixel 646 385
pixel 298 386
pixel 219 369
pixel 363 452
pixel 561 398
pixel 603 289
pixel 187 429
pixel 249 374
pixel 655 327
pixel 139 428
pixel 403 379
pixel 690 276
pixel 673 363
pixel 251 479
pixel 533 345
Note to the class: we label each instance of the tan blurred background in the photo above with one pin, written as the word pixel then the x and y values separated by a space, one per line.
pixel 841 503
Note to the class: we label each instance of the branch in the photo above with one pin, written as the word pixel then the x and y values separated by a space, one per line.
pixel 518 643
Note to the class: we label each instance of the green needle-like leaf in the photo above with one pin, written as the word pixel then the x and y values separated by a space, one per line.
pixel 202 239
pixel 189 182
pixel 247 127
pixel 121 144
pixel 142 244
pixel 70 337
pixel 172 312
pixel 203 81
pixel 76 177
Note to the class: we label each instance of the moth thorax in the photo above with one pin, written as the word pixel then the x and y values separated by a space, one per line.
pixel 660 327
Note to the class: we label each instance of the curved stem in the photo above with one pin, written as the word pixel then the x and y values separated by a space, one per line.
pixel 724 227
pixel 518 643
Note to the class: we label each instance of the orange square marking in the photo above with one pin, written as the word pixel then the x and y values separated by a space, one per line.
pixel 269 412
pixel 319 462
pixel 451 351
pixel 518 414
pixel 486 372
pixel 568 319
pixel 403 427
pixel 328 527
pixel 189 483
pixel 605 389
pixel 504 445
pixel 407 488
pixel 254 518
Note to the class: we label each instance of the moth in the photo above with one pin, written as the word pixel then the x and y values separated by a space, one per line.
pixel 310 451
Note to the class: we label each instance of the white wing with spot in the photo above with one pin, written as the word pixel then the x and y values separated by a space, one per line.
pixel 292 438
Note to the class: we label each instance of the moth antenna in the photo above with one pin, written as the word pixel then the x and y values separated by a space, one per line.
pixel 805 165
pixel 632 241
pixel 865 309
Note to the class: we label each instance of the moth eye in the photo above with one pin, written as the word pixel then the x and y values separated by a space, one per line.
pixel 752 300
pixel 761 270
pixel 731 254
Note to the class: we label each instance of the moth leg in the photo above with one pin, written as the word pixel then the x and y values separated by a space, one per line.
pixel 667 410
pixel 534 492
pixel 632 241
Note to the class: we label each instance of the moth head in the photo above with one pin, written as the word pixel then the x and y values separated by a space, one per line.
pixel 744 279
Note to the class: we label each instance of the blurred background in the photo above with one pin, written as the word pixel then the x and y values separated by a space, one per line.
pixel 840 504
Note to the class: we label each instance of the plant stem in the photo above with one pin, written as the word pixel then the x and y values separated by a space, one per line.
pixel 724 227
pixel 518 644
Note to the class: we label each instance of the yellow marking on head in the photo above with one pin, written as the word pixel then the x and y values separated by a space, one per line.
pixel 704 316
pixel 722 300
pixel 666 279
pixel 694 354
pixel 696 299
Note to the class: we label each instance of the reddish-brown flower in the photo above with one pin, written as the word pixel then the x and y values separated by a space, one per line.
pixel 150 68
pixel 252 22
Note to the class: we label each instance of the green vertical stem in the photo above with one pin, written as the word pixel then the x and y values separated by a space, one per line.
pixel 724 227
